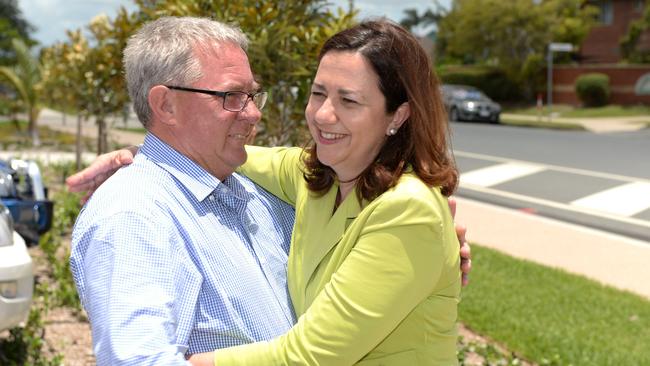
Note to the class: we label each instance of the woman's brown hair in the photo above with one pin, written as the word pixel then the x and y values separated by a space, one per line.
pixel 405 75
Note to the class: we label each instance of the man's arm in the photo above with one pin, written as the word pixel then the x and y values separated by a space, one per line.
pixel 465 250
pixel 125 268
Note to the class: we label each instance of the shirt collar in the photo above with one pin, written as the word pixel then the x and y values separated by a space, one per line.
pixel 195 178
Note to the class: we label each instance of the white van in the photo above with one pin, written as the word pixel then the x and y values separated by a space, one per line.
pixel 16 278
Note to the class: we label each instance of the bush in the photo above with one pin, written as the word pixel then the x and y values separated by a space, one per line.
pixel 593 89
pixel 492 81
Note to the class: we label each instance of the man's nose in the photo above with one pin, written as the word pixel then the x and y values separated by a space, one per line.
pixel 251 113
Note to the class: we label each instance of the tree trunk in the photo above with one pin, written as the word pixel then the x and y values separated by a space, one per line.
pixel 78 143
pixel 14 120
pixel 33 127
pixel 102 138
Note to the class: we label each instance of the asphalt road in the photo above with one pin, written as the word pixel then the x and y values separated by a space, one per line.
pixel 596 180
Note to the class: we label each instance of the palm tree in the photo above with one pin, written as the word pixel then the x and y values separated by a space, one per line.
pixel 25 77
pixel 413 20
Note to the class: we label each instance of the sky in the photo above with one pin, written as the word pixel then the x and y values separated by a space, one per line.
pixel 53 17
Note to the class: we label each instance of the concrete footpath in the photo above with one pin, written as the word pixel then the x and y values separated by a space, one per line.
pixel 611 259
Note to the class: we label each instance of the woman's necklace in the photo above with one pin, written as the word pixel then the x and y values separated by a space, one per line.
pixel 349 181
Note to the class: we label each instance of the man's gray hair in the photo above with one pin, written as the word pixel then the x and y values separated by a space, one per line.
pixel 161 52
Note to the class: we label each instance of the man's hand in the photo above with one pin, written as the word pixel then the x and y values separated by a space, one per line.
pixel 101 168
pixel 465 251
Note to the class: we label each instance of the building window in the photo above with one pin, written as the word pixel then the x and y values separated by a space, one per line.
pixel 606 14
pixel 638 5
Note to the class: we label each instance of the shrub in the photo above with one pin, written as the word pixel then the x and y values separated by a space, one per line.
pixel 593 89
pixel 492 81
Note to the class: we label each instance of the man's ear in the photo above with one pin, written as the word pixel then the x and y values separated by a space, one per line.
pixel 162 104
pixel 400 116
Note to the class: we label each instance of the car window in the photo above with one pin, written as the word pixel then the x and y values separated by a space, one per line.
pixel 466 94
pixel 6 185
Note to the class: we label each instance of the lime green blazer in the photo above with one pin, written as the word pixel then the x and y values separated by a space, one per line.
pixel 372 284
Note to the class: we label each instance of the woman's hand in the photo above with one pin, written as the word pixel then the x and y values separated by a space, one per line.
pixel 202 359
pixel 101 168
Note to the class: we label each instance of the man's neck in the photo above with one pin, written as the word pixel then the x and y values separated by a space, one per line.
pixel 220 172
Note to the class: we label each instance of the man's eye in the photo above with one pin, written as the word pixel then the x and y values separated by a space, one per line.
pixel 316 93
pixel 349 101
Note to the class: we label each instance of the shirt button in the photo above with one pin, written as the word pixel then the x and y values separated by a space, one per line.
pixel 211 197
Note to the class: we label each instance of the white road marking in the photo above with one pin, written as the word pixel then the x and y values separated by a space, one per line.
pixel 496 174
pixel 589 173
pixel 626 200
pixel 562 206
pixel 481 187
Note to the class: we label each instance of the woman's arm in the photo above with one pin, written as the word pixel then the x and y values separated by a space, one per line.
pixel 276 169
pixel 392 268
pixel 101 168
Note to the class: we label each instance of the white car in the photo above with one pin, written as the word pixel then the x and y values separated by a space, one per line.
pixel 16 278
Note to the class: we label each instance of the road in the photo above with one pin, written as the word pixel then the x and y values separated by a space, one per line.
pixel 596 180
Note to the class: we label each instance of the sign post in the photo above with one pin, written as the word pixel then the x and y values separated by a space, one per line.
pixel 553 47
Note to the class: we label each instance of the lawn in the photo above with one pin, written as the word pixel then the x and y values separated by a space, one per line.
pixel 541 123
pixel 16 137
pixel 567 111
pixel 551 317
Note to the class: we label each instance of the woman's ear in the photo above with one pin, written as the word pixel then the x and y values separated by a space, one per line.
pixel 162 105
pixel 400 116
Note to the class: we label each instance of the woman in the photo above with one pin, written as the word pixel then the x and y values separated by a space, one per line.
pixel 373 268
pixel 364 276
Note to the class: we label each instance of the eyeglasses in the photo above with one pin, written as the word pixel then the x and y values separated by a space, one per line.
pixel 233 101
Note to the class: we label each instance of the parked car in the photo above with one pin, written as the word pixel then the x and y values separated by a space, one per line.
pixel 467 103
pixel 16 279
pixel 22 191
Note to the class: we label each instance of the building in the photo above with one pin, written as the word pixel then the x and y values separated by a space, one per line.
pixel 600 52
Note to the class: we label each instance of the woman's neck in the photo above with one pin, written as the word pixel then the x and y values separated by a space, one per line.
pixel 345 188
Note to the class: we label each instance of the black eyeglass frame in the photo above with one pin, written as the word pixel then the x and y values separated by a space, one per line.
pixel 224 94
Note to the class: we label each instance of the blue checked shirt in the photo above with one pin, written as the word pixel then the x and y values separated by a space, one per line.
pixel 168 260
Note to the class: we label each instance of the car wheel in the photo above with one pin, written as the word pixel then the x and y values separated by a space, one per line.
pixel 494 119
pixel 453 115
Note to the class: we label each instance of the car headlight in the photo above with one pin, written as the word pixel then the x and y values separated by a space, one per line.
pixel 9 289
pixel 470 105
pixel 6 227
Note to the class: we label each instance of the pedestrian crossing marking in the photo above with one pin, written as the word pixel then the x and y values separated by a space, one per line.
pixel 626 200
pixel 496 174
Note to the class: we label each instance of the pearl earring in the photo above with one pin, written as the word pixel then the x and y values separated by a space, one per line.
pixel 392 132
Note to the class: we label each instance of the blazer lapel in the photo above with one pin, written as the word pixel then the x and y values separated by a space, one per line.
pixel 323 239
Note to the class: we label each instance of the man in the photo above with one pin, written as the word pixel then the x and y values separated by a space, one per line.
pixel 175 254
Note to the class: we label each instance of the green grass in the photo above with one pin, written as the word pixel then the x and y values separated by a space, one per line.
pixel 13 138
pixel 551 317
pixel 533 111
pixel 567 111
pixel 543 123
pixel 132 129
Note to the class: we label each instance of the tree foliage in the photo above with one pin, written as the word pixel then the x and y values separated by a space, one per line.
pixel 512 35
pixel 631 40
pixel 25 77
pixel 84 74
pixel 413 20
pixel 285 37
pixel 12 25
